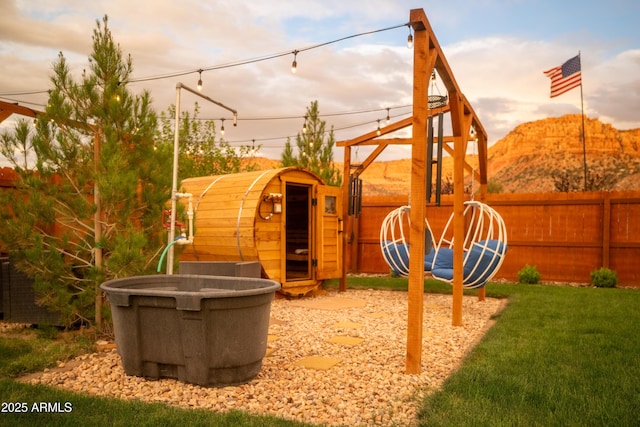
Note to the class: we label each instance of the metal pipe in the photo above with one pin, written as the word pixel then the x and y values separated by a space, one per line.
pixel 174 185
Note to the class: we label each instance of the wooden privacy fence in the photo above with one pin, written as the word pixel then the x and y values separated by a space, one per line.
pixel 565 235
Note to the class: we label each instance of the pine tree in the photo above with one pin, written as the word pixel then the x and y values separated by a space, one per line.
pixel 89 202
pixel 314 152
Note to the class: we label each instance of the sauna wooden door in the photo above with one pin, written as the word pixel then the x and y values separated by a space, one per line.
pixel 328 236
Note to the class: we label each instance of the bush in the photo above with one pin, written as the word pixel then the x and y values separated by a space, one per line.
pixel 529 275
pixel 604 278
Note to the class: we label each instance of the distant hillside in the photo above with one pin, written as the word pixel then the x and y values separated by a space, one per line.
pixel 525 160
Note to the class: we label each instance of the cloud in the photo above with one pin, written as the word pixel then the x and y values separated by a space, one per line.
pixel 498 66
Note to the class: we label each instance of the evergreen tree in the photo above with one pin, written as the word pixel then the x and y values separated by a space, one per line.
pixel 314 152
pixel 200 154
pixel 89 201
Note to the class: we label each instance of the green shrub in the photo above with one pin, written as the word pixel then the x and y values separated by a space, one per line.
pixel 604 278
pixel 529 275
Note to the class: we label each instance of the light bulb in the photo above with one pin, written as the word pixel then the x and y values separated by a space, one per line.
pixel 409 39
pixel 378 131
pixel 388 118
pixel 235 119
pixel 294 64
pixel 200 80
pixel 222 128
pixel 304 126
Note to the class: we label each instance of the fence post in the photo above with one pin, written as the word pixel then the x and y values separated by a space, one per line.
pixel 606 229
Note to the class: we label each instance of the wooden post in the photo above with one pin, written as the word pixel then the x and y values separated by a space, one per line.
pixel 97 227
pixel 606 229
pixel 418 193
pixel 460 128
pixel 348 224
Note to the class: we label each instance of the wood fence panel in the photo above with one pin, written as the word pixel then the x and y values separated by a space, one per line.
pixel 565 235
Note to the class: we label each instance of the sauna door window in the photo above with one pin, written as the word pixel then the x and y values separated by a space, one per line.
pixel 298 231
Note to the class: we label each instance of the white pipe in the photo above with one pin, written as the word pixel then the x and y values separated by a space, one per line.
pixel 174 186
pixel 189 239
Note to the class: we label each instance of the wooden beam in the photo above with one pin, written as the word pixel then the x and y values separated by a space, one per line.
pixel 371 157
pixel 382 141
pixel 460 124
pixel 374 134
pixel 424 58
pixel 348 221
pixel 7 109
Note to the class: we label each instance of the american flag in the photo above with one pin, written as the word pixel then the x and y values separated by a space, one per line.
pixel 565 77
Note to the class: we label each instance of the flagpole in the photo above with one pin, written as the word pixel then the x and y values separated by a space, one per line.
pixel 584 145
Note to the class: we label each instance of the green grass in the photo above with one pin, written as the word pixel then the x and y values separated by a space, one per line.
pixel 30 350
pixel 557 356
pixel 98 411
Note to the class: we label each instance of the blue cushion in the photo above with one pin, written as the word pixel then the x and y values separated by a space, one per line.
pixel 428 260
pixel 397 256
pixel 443 264
pixel 480 263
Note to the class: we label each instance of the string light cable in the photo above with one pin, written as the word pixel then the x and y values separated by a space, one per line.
pixel 254 60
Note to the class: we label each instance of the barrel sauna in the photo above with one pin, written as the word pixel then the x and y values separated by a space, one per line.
pixel 288 219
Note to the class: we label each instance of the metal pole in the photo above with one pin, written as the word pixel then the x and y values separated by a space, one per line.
pixel 174 184
pixel 584 144
pixel 176 153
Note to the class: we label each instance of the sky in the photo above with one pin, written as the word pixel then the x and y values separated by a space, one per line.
pixel 497 51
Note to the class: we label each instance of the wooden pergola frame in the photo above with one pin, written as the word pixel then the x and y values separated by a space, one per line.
pixel 7 109
pixel 427 56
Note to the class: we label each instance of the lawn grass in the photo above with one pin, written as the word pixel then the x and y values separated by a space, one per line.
pixel 557 355
pixel 31 350
pixel 98 411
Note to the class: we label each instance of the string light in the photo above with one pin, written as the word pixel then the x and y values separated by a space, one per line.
pixel 410 38
pixel 304 126
pixel 200 79
pixel 294 64
pixel 222 128
pixel 233 64
pixel 388 117
pixel 378 131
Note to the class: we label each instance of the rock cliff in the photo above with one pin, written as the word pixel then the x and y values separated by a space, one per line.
pixel 530 158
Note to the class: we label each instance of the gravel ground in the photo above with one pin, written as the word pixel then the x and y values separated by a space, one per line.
pixel 367 387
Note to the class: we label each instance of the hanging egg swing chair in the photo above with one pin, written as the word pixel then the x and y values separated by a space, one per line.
pixel 484 245
pixel 394 245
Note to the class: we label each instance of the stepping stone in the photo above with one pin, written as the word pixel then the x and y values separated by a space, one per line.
pixel 380 315
pixel 343 340
pixel 329 303
pixel 349 325
pixel 318 362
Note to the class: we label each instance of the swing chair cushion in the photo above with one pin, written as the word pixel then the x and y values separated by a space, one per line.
pixel 443 265
pixel 486 255
pixel 397 256
pixel 479 262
